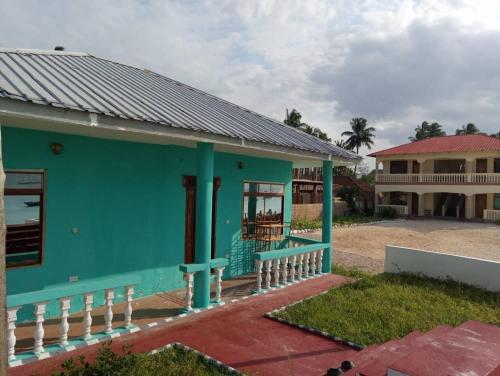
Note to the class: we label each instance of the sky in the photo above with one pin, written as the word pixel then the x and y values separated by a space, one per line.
pixel 395 63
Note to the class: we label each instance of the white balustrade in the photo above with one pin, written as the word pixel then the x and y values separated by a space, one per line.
pixel 305 267
pixel 300 273
pixel 285 270
pixel 312 263
pixel 129 291
pixel 277 272
pixel 64 304
pixel 39 331
pixel 402 210
pixel 189 291
pixel 320 261
pixel 292 268
pixel 88 299
pixel 455 178
pixel 258 270
pixel 492 215
pixel 11 332
pixel 109 295
pixel 64 307
pixel 268 274
pixel 218 284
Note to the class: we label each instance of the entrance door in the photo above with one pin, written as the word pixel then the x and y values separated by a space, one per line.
pixel 189 182
pixel 480 205
pixel 414 204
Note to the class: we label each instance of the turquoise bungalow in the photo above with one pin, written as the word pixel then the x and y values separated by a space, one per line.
pixel 124 183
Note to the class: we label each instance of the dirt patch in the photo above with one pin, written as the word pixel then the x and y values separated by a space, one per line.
pixel 364 246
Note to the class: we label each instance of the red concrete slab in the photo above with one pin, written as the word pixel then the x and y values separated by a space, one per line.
pixel 239 335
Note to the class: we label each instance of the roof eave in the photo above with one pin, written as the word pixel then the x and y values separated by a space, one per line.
pixel 41 117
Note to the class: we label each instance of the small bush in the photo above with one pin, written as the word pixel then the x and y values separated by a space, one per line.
pixel 388 213
pixel 306 224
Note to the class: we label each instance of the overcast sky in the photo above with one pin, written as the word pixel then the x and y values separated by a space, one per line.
pixel 396 63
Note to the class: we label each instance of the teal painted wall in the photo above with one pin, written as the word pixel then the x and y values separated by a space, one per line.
pixel 128 202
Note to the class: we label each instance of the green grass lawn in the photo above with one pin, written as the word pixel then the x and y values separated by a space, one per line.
pixel 174 361
pixel 377 308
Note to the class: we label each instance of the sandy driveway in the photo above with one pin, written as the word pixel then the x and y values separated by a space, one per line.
pixel 364 245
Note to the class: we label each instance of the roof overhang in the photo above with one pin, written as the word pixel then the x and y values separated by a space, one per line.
pixel 20 114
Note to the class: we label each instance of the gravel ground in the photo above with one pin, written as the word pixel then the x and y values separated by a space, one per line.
pixel 364 246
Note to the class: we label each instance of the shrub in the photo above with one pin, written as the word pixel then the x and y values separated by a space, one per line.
pixel 388 213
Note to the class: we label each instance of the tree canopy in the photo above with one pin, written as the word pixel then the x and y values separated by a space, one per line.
pixel 294 119
pixel 470 128
pixel 427 130
pixel 359 135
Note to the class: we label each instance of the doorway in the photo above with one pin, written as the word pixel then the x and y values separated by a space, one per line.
pixel 480 205
pixel 414 203
pixel 189 183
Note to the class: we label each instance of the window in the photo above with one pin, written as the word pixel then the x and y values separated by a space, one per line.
pixel 262 204
pixel 399 167
pixel 496 201
pixel 496 165
pixel 24 193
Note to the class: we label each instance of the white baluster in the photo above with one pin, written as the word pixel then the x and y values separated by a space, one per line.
pixel 218 284
pixel 109 295
pixel 299 268
pixel 292 268
pixel 129 291
pixel 320 261
pixel 306 265
pixel 64 304
pixel 284 262
pixel 312 263
pixel 268 274
pixel 189 291
pixel 258 267
pixel 88 299
pixel 277 272
pixel 39 331
pixel 11 332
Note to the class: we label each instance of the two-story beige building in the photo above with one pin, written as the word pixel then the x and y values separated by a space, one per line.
pixel 448 176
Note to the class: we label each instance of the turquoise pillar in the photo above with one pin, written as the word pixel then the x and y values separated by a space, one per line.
pixel 327 215
pixel 203 229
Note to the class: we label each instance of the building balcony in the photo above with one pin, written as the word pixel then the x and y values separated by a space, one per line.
pixel 458 178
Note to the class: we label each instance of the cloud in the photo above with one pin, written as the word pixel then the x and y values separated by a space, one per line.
pixel 394 62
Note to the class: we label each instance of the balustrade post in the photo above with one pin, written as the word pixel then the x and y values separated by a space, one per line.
pixel 88 299
pixel 285 270
pixel 306 265
pixel 129 291
pixel 64 304
pixel 312 263
pixel 319 260
pixel 268 274
pixel 11 332
pixel 277 272
pixel 39 331
pixel 189 291
pixel 218 284
pixel 292 268
pixel 109 295
pixel 258 267
pixel 300 266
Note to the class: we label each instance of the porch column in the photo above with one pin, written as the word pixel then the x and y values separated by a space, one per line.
pixel 469 206
pixel 421 205
pixel 327 215
pixel 203 228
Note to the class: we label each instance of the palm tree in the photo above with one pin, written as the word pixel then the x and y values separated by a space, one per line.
pixel 361 135
pixel 293 118
pixel 342 144
pixel 470 128
pixel 426 130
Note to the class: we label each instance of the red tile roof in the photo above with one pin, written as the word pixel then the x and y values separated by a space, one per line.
pixel 444 144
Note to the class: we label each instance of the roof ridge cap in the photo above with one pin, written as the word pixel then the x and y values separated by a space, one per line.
pixel 41 52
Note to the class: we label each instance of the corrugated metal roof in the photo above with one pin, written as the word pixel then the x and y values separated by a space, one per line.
pixel 86 83
pixel 445 144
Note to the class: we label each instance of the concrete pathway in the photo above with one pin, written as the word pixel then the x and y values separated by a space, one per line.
pixel 237 334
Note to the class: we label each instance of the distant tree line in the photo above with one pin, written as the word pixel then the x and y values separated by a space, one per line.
pixel 427 130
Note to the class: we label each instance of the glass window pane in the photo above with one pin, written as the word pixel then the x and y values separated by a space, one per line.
pixel 24 180
pixel 277 188
pixel 497 202
pixel 264 188
pixel 273 208
pixel 21 209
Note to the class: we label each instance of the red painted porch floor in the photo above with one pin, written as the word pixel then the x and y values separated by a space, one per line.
pixel 238 335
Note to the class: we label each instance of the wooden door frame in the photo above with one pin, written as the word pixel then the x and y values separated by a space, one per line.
pixel 189 183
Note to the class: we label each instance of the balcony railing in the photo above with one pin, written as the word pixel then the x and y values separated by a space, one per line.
pixel 402 210
pixel 470 178
pixel 280 267
pixel 491 215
